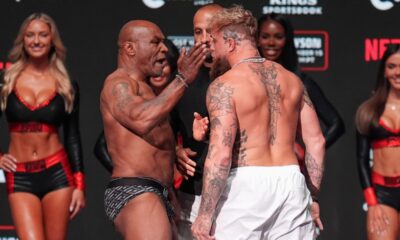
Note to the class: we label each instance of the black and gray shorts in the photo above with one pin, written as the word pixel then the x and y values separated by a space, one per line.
pixel 121 190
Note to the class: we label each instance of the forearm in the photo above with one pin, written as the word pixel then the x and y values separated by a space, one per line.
pixel 333 132
pixel 101 153
pixel 215 176
pixel 314 161
pixel 149 113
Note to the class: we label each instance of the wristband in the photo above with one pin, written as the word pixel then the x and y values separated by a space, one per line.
pixel 181 78
pixel 79 181
pixel 370 197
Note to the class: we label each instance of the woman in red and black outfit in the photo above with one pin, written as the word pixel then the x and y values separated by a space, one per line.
pixel 44 181
pixel 378 128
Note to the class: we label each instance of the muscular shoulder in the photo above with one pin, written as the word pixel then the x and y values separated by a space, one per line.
pixel 220 96
pixel 117 83
pixel 289 80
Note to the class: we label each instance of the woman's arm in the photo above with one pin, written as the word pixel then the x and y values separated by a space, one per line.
pixel 101 153
pixel 334 126
pixel 72 141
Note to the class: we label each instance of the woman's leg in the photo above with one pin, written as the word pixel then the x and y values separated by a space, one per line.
pixel 391 228
pixel 56 213
pixel 26 211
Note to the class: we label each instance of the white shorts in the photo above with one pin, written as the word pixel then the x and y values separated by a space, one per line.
pixel 265 203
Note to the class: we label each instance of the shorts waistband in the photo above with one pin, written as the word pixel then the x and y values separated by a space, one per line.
pixel 32 127
pixel 271 170
pixel 129 181
pixel 42 164
pixel 384 180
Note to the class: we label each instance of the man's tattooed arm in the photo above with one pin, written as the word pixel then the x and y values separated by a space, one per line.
pixel 137 112
pixel 223 127
pixel 314 173
pixel 315 146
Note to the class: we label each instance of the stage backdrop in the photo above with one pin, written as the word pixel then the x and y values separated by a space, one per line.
pixel 339 43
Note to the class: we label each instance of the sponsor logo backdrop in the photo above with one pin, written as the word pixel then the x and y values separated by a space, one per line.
pixel 339 43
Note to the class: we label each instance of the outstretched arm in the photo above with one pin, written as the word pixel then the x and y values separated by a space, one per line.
pixel 326 112
pixel 101 152
pixel 223 127
pixel 141 115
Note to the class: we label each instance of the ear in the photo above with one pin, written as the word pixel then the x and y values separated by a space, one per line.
pixel 231 44
pixel 130 48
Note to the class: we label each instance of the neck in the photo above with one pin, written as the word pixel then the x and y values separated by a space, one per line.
pixel 242 54
pixel 38 65
pixel 130 67
pixel 393 96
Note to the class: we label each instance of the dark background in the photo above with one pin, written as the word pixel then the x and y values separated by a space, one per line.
pixel 89 30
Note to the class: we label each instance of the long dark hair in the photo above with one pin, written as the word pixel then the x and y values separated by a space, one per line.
pixel 288 58
pixel 369 112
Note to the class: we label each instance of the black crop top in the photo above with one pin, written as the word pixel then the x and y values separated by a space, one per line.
pixel 380 136
pixel 52 112
pixel 383 136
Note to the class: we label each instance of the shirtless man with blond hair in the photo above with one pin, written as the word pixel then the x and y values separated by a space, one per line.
pixel 139 138
pixel 252 184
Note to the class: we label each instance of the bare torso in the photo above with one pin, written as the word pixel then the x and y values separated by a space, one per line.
pixel 386 160
pixel 32 146
pixel 266 136
pixel 151 155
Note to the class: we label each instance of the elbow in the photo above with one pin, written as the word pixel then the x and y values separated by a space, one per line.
pixel 339 127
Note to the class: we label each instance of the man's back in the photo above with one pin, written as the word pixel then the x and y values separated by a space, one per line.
pixel 267 100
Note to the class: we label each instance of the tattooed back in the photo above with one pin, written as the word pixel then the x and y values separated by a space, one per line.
pixel 135 152
pixel 263 101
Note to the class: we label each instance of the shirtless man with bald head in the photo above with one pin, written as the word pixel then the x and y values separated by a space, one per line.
pixel 139 138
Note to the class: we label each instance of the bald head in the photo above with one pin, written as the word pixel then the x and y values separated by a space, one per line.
pixel 209 10
pixel 132 30
pixel 201 21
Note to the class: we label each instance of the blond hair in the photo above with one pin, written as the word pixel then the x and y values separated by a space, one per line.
pixel 19 59
pixel 235 21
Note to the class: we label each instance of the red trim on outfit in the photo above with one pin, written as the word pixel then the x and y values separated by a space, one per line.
pixel 32 127
pixel 40 105
pixel 40 165
pixel 79 180
pixel 389 142
pixel 385 180
pixel 385 126
pixel 370 196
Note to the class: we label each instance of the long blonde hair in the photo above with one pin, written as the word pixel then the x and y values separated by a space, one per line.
pixel 19 59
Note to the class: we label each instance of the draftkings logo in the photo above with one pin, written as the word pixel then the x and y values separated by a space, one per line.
pixel 384 5
pixel 293 7
pixel 376 47
pixel 313 49
pixel 154 4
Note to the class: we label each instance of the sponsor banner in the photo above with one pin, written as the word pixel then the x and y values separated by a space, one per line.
pixel 376 47
pixel 182 41
pixel 293 7
pixel 4 65
pixel 155 4
pixel 313 49
pixel 2 177
pixel 384 5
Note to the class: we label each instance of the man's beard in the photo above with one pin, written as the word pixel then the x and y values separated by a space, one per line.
pixel 219 67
